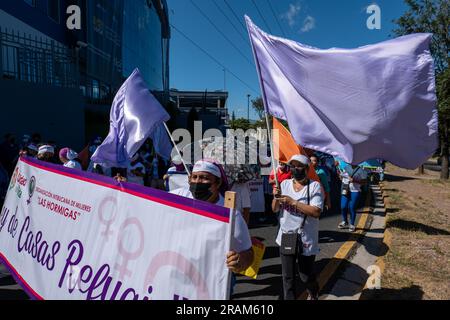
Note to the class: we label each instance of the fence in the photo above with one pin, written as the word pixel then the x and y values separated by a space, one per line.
pixel 38 60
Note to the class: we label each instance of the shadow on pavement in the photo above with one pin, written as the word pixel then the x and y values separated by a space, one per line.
pixel 271 252
pixel 328 236
pixel 11 294
pixel 409 293
pixel 353 275
pixel 392 178
pixel 7 281
pixel 416 226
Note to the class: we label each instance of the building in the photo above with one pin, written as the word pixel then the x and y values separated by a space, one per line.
pixel 205 106
pixel 61 82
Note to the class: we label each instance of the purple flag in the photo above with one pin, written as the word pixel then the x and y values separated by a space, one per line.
pixel 161 142
pixel 135 115
pixel 376 101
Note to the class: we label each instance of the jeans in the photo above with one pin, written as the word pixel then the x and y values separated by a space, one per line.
pixel 291 265
pixel 350 204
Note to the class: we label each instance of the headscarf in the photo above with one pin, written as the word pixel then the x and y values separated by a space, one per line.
pixel 46 149
pixel 63 153
pixel 68 154
pixel 216 169
pixel 71 155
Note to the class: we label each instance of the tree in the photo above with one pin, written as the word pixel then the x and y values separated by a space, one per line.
pixel 240 123
pixel 433 16
pixel 258 106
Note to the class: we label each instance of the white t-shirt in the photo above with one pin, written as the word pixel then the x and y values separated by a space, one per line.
pixel 131 177
pixel 293 221
pixel 73 165
pixel 243 199
pixel 241 239
pixel 357 173
pixel 176 179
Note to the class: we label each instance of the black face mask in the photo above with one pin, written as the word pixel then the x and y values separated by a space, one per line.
pixel 201 191
pixel 299 174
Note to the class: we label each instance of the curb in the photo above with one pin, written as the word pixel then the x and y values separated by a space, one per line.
pixel 387 241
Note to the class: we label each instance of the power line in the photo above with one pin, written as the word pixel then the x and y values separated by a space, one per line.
pixel 262 17
pixel 235 15
pixel 276 18
pixel 212 58
pixel 229 20
pixel 223 35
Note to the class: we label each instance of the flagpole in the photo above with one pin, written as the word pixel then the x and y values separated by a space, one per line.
pixel 258 70
pixel 176 148
pixel 272 151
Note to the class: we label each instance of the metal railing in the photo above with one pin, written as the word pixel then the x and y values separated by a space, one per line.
pixel 37 60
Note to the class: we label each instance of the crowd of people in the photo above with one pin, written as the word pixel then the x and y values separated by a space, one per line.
pixel 297 201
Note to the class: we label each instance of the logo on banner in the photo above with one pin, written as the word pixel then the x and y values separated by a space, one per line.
pixel 31 188
pixel 12 183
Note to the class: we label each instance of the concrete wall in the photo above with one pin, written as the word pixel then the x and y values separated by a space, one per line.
pixel 56 113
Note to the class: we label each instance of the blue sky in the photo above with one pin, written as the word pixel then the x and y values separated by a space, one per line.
pixel 319 23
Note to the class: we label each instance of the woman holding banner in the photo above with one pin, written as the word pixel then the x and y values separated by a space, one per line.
pixel 209 183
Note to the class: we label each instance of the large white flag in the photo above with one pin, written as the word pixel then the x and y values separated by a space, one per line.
pixel 377 101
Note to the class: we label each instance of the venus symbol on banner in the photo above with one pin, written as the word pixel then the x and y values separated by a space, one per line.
pixel 183 265
pixel 101 210
pixel 129 255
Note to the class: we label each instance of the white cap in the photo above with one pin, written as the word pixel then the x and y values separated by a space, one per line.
pixel 46 149
pixel 300 158
pixel 205 166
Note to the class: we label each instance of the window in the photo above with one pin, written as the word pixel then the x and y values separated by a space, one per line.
pixel 31 2
pixel 53 10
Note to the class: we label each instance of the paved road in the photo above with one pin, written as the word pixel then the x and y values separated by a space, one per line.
pixel 9 290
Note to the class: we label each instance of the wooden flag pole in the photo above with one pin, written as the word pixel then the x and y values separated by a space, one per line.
pixel 230 203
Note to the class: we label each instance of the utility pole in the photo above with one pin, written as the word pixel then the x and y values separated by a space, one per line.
pixel 248 108
pixel 224 80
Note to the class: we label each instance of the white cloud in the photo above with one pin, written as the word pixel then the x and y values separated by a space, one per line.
pixel 292 13
pixel 308 24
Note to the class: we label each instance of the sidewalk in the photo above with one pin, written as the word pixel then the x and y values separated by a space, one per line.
pixel 351 278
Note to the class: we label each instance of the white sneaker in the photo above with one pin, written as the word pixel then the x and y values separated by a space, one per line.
pixel 352 228
pixel 343 225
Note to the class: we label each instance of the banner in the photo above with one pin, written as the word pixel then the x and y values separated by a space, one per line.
pixel 68 234
pixel 257 195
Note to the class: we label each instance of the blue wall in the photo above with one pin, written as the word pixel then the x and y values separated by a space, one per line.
pixel 38 18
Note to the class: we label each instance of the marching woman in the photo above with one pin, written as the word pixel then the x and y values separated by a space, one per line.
pixel 70 158
pixel 208 182
pixel 300 202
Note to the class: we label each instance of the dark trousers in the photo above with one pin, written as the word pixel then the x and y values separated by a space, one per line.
pixel 292 265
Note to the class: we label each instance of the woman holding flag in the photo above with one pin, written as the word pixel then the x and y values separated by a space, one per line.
pixel 300 201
